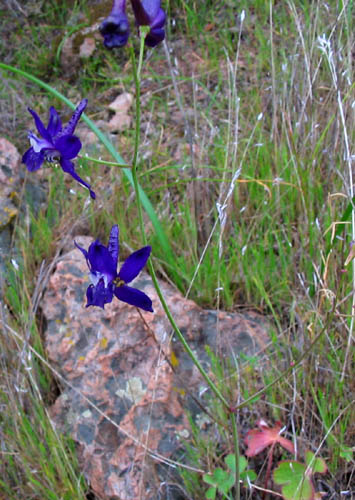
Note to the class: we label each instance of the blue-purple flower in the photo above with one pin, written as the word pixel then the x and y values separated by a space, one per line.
pixel 115 28
pixel 106 282
pixel 55 143
pixel 150 13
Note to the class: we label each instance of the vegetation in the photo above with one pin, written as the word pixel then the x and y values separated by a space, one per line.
pixel 247 118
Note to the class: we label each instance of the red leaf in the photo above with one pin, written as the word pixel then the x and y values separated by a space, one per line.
pixel 257 440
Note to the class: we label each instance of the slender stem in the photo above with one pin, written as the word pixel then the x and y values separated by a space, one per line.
pixel 237 455
pixel 104 162
pixel 136 73
pixel 137 131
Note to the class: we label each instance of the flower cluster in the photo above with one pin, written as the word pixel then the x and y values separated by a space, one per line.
pixel 55 143
pixel 106 282
pixel 115 28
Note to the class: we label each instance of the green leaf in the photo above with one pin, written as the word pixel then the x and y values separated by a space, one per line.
pixel 248 475
pixel 317 464
pixel 209 479
pixel 230 461
pixel 211 493
pixel 243 463
pixel 220 479
pixel 346 453
pixel 221 476
pixel 227 484
pixel 295 485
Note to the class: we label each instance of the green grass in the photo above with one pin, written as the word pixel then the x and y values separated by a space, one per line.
pixel 278 253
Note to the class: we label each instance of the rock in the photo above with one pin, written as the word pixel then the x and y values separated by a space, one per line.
pixel 119 122
pixel 87 48
pixel 121 106
pixel 9 167
pixel 122 103
pixel 111 358
pixel 5 251
pixel 7 211
pixel 9 186
pixel 77 47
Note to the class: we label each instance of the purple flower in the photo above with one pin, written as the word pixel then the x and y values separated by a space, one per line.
pixel 55 143
pixel 106 281
pixel 115 28
pixel 150 13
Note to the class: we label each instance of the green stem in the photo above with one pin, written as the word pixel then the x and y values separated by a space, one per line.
pixel 136 73
pixel 104 162
pixel 237 455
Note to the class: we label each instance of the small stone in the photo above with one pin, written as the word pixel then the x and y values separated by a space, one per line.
pixel 122 103
pixel 87 48
pixel 119 122
pixel 121 119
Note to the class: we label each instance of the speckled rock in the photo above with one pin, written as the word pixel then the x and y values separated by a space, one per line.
pixel 9 187
pixel 9 173
pixel 9 166
pixel 121 362
pixel 7 211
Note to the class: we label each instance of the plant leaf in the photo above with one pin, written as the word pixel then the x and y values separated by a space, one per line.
pixel 209 479
pixel 230 462
pixel 295 485
pixel 211 493
pixel 259 439
pixel 317 464
pixel 248 475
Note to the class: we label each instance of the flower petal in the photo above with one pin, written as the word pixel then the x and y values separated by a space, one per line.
pixel 101 261
pixel 145 11
pixel 134 264
pixel 82 250
pixel 133 297
pixel 39 144
pixel 70 127
pixel 68 167
pixel 68 146
pixel 40 127
pixel 55 123
pixel 113 244
pixel 32 160
pixel 154 37
pixel 157 31
pixel 159 19
pixel 98 295
pixel 115 30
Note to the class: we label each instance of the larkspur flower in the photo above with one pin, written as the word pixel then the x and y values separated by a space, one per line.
pixel 106 282
pixel 56 143
pixel 115 28
pixel 150 13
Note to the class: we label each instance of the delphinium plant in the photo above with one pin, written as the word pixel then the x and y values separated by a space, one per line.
pixel 56 144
